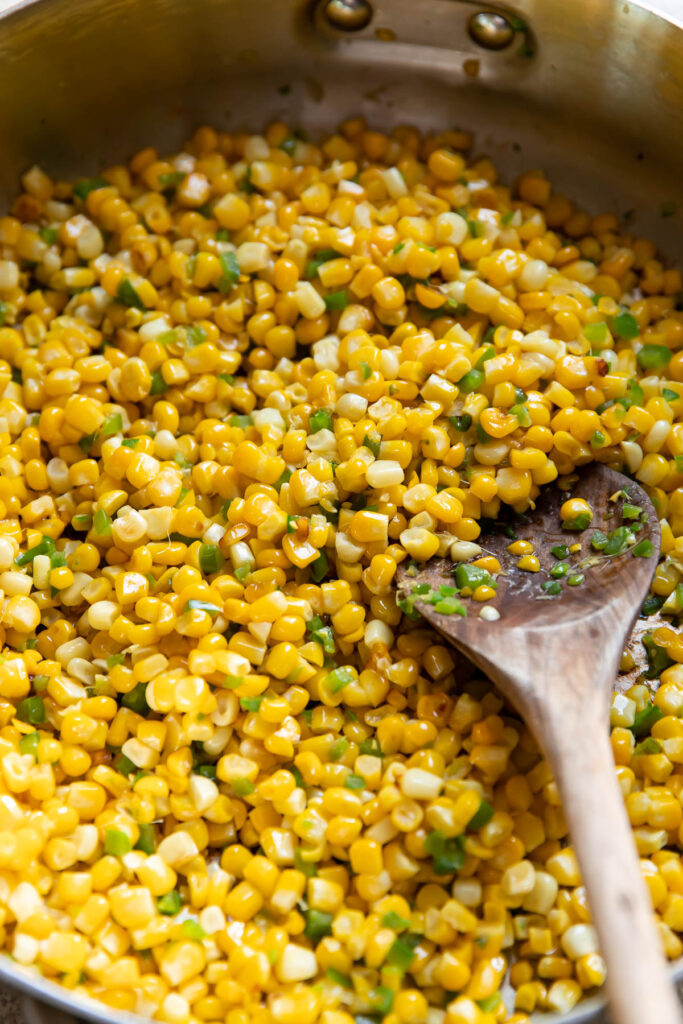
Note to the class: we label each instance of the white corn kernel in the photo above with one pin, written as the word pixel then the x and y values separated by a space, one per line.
pixel 252 257
pixel 141 755
pixel 310 302
pixel 9 275
pixel 633 454
pixel 542 897
pixel 178 848
pixel 204 792
pixel 212 920
pixel 377 632
pixel 296 964
pixel 103 614
pixel 24 901
pixel 175 1008
pixel 519 879
pixel 580 940
pixel 384 473
pixel 622 711
pixel 533 276
pixel 8 552
pixel 15 584
pixel 656 436
pixel 464 550
pixel 451 228
pixel 351 407
pixel 394 182
pixel 25 949
pixel 420 784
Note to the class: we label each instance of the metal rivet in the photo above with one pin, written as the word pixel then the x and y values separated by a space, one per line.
pixel 491 30
pixel 348 15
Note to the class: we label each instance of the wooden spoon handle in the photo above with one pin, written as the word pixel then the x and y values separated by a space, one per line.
pixel 638 982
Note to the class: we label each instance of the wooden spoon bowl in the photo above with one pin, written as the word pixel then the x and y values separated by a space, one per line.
pixel 556 659
pixel 520 599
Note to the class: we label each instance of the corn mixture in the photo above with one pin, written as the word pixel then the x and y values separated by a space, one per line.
pixel 239 386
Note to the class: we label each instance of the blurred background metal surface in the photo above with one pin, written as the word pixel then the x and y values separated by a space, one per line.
pixel 596 98
pixel 590 91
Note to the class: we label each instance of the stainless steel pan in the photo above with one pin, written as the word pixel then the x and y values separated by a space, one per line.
pixel 590 90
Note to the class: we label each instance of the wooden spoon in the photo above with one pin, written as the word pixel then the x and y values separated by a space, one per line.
pixel 556 659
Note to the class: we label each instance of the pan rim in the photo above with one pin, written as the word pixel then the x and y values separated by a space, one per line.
pixel 42 990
